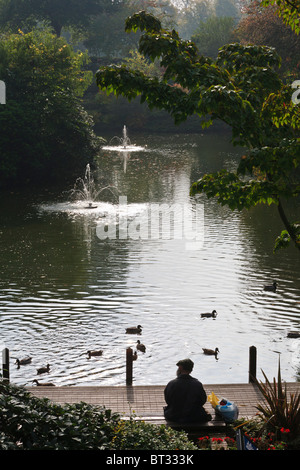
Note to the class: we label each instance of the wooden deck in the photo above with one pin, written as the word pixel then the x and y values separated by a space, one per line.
pixel 148 401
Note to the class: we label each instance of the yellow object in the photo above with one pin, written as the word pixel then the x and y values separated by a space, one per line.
pixel 213 399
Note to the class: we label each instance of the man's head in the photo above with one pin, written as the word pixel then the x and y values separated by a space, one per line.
pixel 185 366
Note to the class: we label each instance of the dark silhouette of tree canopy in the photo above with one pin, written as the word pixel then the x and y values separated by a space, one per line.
pixel 46 134
pixel 58 13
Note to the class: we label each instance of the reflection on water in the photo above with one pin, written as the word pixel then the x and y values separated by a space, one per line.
pixel 64 291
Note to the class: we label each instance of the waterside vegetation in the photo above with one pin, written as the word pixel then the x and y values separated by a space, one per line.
pixel 29 422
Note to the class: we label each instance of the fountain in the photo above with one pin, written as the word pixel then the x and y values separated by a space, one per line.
pixel 124 144
pixel 83 197
pixel 85 189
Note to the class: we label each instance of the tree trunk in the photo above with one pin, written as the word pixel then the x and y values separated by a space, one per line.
pixel 288 226
pixel 56 26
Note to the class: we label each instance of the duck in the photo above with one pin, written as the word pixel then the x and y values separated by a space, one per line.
pixel 42 370
pixel 271 288
pixel 210 352
pixel 134 329
pixel 293 334
pixel 45 384
pixel 22 362
pixel 213 314
pixel 134 356
pixel 140 346
pixel 94 353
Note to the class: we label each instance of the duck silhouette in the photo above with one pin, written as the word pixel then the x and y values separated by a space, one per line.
pixel 293 334
pixel 134 329
pixel 22 362
pixel 45 384
pixel 94 353
pixel 140 347
pixel 271 288
pixel 42 370
pixel 213 314
pixel 134 356
pixel 210 352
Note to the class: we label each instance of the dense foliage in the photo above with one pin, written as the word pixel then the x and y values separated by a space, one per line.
pixel 16 14
pixel 243 89
pixel 262 26
pixel 30 423
pixel 139 435
pixel 277 423
pixel 278 410
pixel 45 132
pixel 288 10
pixel 213 34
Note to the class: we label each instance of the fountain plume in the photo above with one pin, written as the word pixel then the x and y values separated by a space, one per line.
pixel 85 189
pixel 124 143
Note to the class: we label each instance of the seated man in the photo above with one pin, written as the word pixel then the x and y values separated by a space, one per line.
pixel 185 396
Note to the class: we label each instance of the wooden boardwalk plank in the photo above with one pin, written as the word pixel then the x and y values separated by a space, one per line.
pixel 149 400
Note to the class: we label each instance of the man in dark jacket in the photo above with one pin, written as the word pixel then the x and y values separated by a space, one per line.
pixel 185 396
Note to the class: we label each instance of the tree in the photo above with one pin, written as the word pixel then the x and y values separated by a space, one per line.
pixel 190 13
pixel 212 34
pixel 288 10
pixel 45 132
pixel 16 14
pixel 261 25
pixel 243 89
pixel 106 37
pixel 226 8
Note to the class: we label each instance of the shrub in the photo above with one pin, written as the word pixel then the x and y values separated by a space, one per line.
pixel 27 422
pixel 139 435
pixel 280 414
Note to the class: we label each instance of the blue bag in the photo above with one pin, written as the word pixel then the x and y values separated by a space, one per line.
pixel 229 411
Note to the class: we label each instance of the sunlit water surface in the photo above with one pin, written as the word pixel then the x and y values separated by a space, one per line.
pixel 66 289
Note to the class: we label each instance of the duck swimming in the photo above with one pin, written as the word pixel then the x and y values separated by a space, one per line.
pixel 293 334
pixel 42 370
pixel 134 329
pixel 213 314
pixel 140 346
pixel 22 362
pixel 94 353
pixel 43 384
pixel 134 356
pixel 210 352
pixel 271 288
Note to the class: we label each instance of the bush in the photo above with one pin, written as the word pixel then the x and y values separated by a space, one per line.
pixel 31 423
pixel 277 424
pixel 280 413
pixel 27 423
pixel 139 435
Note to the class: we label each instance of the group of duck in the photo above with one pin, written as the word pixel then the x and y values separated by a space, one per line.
pixel 213 314
pixel 273 288
pixel 141 347
pixel 41 370
pixel 210 352
pixel 136 330
pixel 95 353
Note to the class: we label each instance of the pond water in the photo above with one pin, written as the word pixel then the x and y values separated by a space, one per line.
pixel 69 282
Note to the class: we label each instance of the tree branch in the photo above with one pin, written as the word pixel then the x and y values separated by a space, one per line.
pixel 288 226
